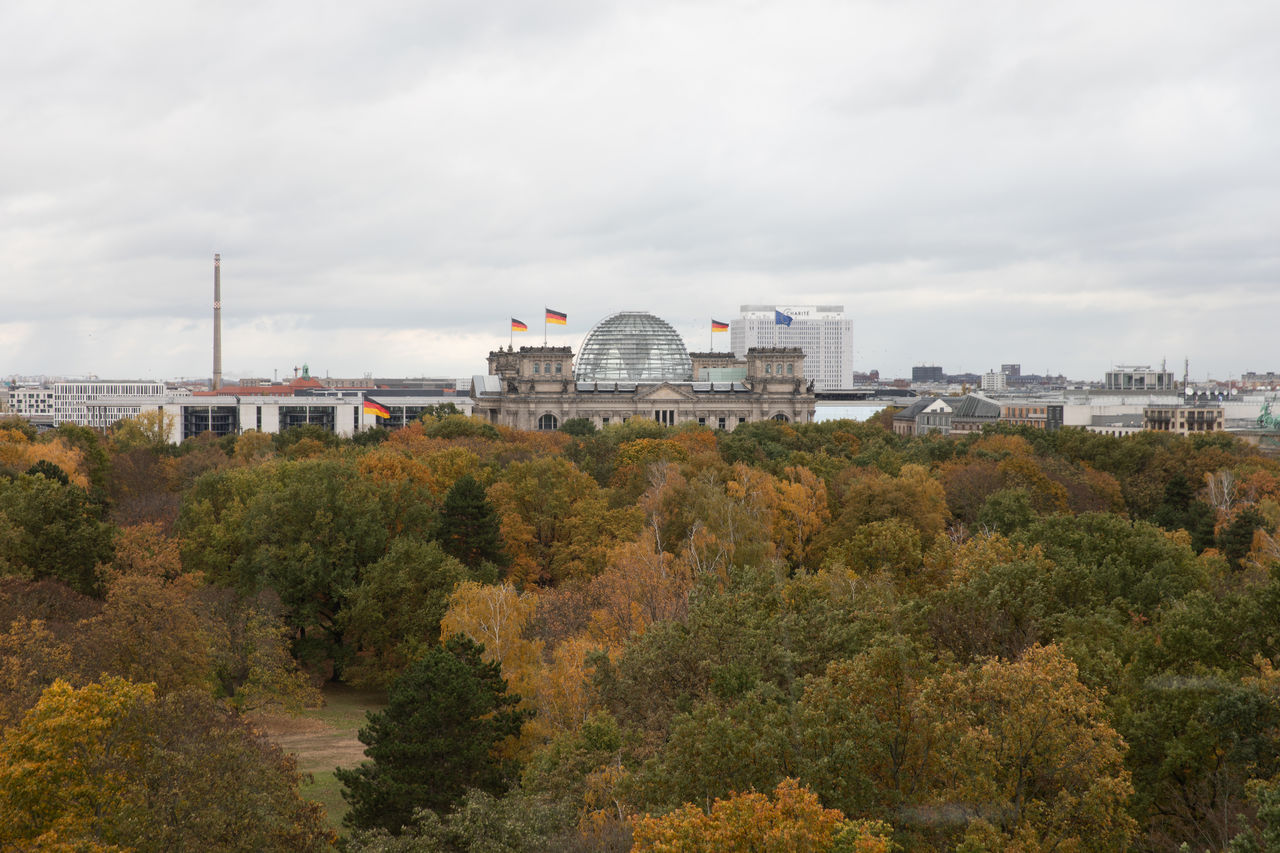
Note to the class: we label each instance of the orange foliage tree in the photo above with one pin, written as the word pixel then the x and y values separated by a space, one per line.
pixel 791 821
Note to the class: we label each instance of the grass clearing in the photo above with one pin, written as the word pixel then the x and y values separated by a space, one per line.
pixel 324 738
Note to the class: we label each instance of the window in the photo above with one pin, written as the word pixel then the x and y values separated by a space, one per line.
pixel 557 368
pixel 781 417
pixel 791 369
pixel 768 368
pixel 742 420
pixel 779 370
pixel 546 368
pixel 666 417
pixel 702 421
pixel 536 367
pixel 548 421
pixel 719 423
pixel 605 420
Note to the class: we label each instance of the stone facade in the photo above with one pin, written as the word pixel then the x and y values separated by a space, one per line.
pixel 534 388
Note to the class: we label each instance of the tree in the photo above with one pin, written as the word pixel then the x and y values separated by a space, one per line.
pixel 445 718
pixel 792 821
pixel 1029 757
pixel 51 530
pixel 148 430
pixel 468 527
pixel 556 521
pixel 867 731
pixel 112 766
pixel 395 612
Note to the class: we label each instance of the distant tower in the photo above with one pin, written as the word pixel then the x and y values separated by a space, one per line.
pixel 217 322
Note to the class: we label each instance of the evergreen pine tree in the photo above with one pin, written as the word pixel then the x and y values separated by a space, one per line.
pixel 469 529
pixel 436 738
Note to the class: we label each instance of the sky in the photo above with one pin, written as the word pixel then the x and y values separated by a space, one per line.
pixel 1064 185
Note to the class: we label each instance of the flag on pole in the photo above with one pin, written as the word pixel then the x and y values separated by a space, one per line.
pixel 517 326
pixel 717 326
pixel 556 317
pixel 780 319
pixel 372 408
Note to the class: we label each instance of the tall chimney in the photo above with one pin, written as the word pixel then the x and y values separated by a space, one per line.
pixel 217 322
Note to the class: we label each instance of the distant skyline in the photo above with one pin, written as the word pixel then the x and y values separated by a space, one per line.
pixel 1067 186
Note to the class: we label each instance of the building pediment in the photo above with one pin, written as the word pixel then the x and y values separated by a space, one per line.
pixel 666 392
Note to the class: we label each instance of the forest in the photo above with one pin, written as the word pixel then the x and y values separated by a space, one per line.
pixel 788 637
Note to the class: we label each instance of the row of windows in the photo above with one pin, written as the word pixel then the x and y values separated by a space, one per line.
pixel 546 367
pixel 667 417
pixel 768 368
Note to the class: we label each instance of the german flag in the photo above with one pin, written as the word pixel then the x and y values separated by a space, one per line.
pixel 517 326
pixel 556 318
pixel 717 326
pixel 372 408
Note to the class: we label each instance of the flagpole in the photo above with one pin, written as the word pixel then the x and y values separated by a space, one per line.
pixel 511 336
pixel 544 325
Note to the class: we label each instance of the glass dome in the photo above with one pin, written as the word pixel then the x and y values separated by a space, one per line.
pixel 633 346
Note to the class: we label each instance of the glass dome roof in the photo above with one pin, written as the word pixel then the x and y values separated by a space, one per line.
pixel 633 346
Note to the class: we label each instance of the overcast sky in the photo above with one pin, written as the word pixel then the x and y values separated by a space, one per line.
pixel 1067 185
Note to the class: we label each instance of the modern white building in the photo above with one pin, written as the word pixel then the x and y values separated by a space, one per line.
pixel 342 413
pixel 823 332
pixel 995 381
pixel 33 402
pixel 1139 377
pixel 69 397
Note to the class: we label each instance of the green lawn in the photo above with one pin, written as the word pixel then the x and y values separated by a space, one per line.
pixel 324 738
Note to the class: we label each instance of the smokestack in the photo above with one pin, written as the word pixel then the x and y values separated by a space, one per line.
pixel 217 322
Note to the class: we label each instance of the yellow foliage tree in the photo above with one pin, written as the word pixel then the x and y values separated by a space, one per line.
pixel 792 821
pixel 496 617
pixel 18 453
pixel 1030 757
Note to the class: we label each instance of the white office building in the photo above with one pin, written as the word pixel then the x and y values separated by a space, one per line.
pixel 70 397
pixel 33 402
pixel 994 380
pixel 822 331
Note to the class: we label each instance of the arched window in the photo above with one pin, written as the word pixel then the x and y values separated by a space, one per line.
pixel 548 421
pixel 768 368
pixel 791 369
pixel 781 417
pixel 546 368
pixel 779 370
pixel 537 367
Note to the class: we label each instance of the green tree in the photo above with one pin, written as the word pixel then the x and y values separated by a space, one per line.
pixel 468 527
pixel 394 614
pixel 438 736
pixel 578 426
pixel 49 471
pixel 51 530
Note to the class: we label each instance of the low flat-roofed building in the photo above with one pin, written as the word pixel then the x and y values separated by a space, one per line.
pixel 1117 425
pixel 1129 377
pixel 1184 419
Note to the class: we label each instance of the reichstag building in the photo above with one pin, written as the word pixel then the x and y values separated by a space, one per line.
pixel 635 365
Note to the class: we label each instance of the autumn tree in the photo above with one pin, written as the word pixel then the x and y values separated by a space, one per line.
pixel 148 430
pixel 791 821
pixel 437 737
pixel 1030 758
pixel 867 730
pixel 114 766
pixel 556 521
